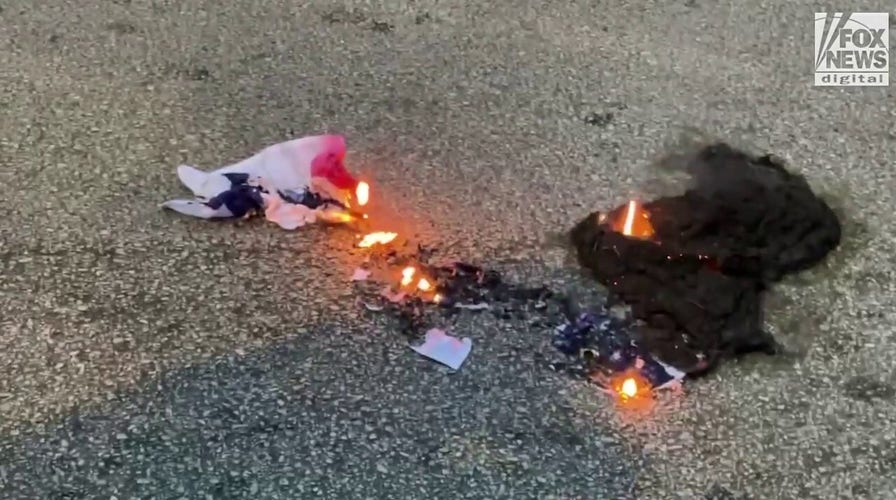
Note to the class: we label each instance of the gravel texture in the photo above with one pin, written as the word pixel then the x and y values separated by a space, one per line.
pixel 146 355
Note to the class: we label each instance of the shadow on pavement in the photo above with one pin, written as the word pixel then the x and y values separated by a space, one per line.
pixel 330 415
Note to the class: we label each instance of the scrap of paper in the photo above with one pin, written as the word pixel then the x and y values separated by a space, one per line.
pixel 441 347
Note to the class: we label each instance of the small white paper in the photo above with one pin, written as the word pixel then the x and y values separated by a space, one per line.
pixel 441 347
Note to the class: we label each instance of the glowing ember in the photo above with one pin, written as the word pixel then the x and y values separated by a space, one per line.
pixel 423 285
pixel 407 275
pixel 629 388
pixel 636 222
pixel 378 238
pixel 362 192
pixel 437 298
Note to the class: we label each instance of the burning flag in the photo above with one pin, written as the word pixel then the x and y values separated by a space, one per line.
pixel 293 183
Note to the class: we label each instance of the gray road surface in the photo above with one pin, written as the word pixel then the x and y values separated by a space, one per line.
pixel 144 355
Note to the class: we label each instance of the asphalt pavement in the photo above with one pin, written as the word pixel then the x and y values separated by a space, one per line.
pixel 146 355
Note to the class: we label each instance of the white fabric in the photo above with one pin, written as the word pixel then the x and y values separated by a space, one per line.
pixel 203 184
pixel 286 165
pixel 198 209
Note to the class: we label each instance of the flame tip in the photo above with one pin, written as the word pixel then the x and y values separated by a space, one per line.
pixel 629 388
pixel 362 193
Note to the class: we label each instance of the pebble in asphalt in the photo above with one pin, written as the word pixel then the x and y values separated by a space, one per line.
pixel 150 356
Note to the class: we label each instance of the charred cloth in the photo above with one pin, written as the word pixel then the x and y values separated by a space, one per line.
pixel 695 283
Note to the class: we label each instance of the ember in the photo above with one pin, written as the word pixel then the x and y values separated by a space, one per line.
pixel 697 285
pixel 378 238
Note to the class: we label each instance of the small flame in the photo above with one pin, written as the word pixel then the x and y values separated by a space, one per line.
pixel 637 222
pixel 341 217
pixel 629 388
pixel 423 284
pixel 437 298
pixel 362 193
pixel 378 238
pixel 627 228
pixel 407 275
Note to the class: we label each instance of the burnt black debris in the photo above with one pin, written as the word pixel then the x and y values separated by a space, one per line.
pixel 463 286
pixel 696 287
pixel 461 283
pixel 595 342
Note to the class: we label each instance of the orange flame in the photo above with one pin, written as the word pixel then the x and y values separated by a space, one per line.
pixel 637 222
pixel 423 284
pixel 629 388
pixel 378 238
pixel 337 217
pixel 407 275
pixel 362 192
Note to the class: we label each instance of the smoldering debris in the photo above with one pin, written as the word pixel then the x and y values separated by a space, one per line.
pixel 695 285
pixel 450 288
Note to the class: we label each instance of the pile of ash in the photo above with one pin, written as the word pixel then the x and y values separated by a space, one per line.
pixel 695 286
